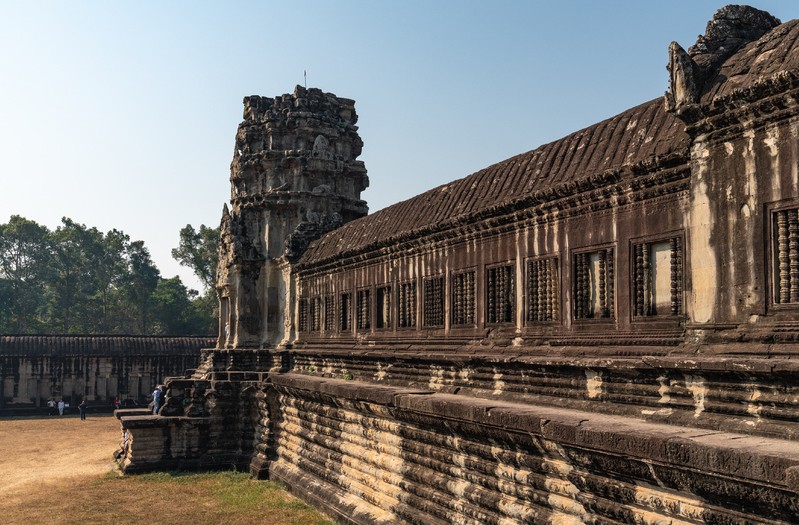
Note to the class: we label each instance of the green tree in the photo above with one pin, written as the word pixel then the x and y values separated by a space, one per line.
pixel 76 279
pixel 206 310
pixel 139 284
pixel 198 251
pixel 110 275
pixel 24 260
pixel 77 260
pixel 172 309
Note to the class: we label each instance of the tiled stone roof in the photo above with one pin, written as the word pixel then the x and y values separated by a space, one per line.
pixel 30 345
pixel 775 52
pixel 639 134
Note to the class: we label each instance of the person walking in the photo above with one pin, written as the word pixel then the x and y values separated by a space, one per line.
pixel 156 400
pixel 61 406
pixel 82 408
pixel 51 407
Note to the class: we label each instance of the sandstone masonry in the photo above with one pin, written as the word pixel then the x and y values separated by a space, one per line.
pixel 599 331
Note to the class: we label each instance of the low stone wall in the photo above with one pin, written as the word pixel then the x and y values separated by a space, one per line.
pixel 752 395
pixel 375 454
pixel 381 437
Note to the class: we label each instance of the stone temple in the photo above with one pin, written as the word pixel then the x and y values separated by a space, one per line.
pixel 603 330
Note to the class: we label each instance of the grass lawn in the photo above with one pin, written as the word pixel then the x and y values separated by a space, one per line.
pixel 59 470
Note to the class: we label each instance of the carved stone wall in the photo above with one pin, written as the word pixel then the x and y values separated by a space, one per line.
pixel 599 331
pixel 34 369
pixel 379 454
pixel 207 420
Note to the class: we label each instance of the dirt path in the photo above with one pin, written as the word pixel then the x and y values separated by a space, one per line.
pixel 38 452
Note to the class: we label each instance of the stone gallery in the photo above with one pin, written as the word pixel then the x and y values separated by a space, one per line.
pixel 599 331
pixel 97 369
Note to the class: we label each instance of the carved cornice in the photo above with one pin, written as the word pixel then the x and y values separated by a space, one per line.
pixel 767 101
pixel 276 199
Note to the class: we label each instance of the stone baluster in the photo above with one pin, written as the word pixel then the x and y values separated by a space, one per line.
pixel 676 276
pixel 412 304
pixel 491 296
pixel 552 278
pixel 646 281
pixel 580 291
pixel 782 254
pixel 532 291
pixel 510 294
pixel 639 280
pixel 471 295
pixel 463 301
pixel 793 254
pixel 542 295
pixel 603 305
pixel 610 284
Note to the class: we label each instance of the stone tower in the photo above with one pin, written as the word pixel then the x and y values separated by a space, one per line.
pixel 294 176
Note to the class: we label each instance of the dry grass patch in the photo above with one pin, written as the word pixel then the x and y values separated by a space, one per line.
pixel 197 498
pixel 59 470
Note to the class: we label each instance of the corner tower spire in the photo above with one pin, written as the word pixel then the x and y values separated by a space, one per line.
pixel 294 176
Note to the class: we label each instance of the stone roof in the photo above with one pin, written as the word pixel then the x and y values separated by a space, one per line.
pixel 30 345
pixel 774 53
pixel 639 134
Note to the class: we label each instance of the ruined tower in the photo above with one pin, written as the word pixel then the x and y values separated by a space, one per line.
pixel 294 176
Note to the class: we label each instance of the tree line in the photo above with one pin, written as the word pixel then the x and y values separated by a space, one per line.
pixel 79 280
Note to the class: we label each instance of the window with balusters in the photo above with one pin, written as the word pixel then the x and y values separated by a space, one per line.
pixel 330 313
pixel 500 294
pixel 543 293
pixel 315 313
pixel 434 302
pixel 657 278
pixel 303 315
pixel 785 240
pixel 345 312
pixel 593 278
pixel 463 298
pixel 406 305
pixel 364 309
pixel 383 307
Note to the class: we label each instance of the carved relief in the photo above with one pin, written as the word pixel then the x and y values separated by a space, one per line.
pixel 685 79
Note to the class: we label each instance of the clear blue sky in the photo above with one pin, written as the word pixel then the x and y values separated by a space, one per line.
pixel 123 115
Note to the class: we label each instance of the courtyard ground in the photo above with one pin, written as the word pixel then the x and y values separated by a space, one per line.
pixel 60 470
